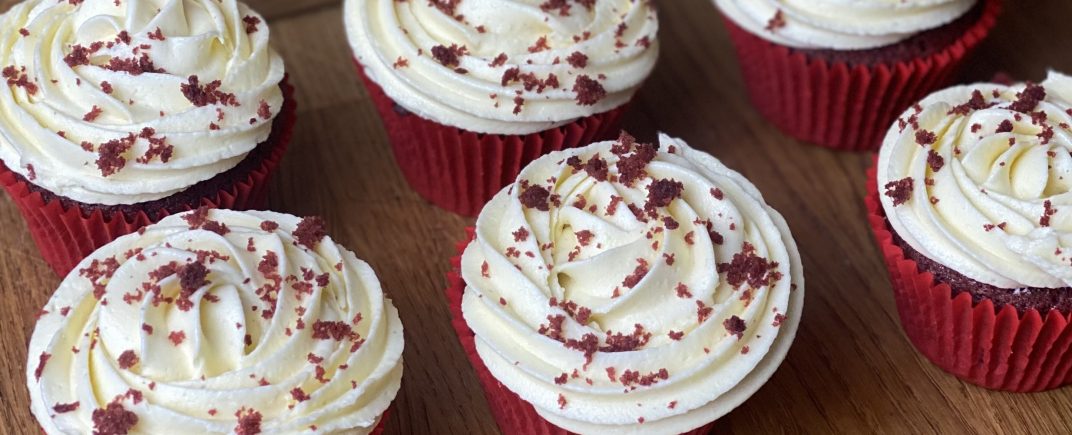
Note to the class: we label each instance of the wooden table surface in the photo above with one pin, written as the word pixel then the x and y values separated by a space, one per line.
pixel 851 369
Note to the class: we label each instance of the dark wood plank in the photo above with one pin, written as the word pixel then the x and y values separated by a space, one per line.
pixel 851 369
pixel 279 9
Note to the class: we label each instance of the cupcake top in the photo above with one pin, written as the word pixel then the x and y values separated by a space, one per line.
pixel 217 322
pixel 505 66
pixel 123 101
pixel 977 178
pixel 621 287
pixel 841 24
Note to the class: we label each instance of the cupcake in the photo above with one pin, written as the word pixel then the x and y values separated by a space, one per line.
pixel 625 287
pixel 472 91
pixel 215 322
pixel 838 76
pixel 970 207
pixel 122 112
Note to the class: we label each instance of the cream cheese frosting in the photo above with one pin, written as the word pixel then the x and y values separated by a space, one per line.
pixel 217 322
pixel 841 24
pixel 977 178
pixel 119 102
pixel 505 67
pixel 620 289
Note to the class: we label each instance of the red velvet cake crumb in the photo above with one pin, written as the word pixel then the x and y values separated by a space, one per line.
pixel 113 420
pixel 449 56
pixel 79 55
pixel 584 237
pixel 133 66
pixel 702 311
pixel 618 342
pixel 249 422
pixel 203 95
pixel 92 114
pixel 251 23
pixel 900 191
pixel 61 408
pixel 577 59
pixel 589 91
pixel 735 326
pixel 127 359
pixel 539 45
pixel 1029 98
pixel 662 192
pixel 747 267
pixel 977 102
pixel 935 161
pixel 310 231
pixel 521 234
pixel 682 290
pixel 42 360
pixel 535 196
pixel 177 337
pixel 110 157
pixel 776 22
pixel 924 137
pixel 638 274
pixel 499 60
pixel 331 330
pixel 1047 212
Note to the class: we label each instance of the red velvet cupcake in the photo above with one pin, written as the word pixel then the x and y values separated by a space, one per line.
pixel 838 78
pixel 969 204
pixel 624 287
pixel 215 322
pixel 129 122
pixel 469 94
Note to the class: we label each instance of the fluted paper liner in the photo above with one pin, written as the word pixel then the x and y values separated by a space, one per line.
pixel 839 105
pixel 67 233
pixel 1002 349
pixel 459 170
pixel 378 430
pixel 512 414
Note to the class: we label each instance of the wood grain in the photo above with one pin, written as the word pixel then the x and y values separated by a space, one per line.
pixel 851 369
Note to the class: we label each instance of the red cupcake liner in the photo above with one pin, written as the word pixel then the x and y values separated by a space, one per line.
pixel 460 170
pixel 378 430
pixel 512 414
pixel 840 105
pixel 1002 349
pixel 66 231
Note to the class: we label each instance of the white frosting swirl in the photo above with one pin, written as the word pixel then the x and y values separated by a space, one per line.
pixel 187 357
pixel 657 319
pixel 396 42
pixel 53 128
pixel 982 176
pixel 841 24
